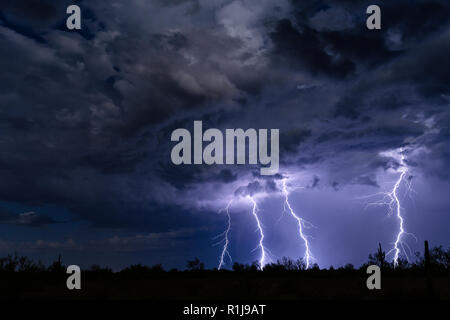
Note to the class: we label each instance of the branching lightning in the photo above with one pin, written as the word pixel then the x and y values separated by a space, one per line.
pixel 392 200
pixel 225 236
pixel 262 259
pixel 301 225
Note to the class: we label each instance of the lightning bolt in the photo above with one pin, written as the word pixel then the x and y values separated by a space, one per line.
pixel 395 202
pixel 301 224
pixel 225 235
pixel 392 200
pixel 262 259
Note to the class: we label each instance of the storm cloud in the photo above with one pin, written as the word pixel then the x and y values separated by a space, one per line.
pixel 86 116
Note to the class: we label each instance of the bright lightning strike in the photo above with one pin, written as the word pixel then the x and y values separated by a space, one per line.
pixel 301 224
pixel 262 260
pixel 394 201
pixel 391 199
pixel 226 239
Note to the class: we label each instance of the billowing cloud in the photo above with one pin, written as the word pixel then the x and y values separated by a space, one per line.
pixel 86 117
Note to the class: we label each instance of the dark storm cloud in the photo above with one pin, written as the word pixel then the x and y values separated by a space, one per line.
pixel 290 140
pixel 368 137
pixel 143 216
pixel 250 190
pixel 304 50
pixel 418 21
pixel 329 37
pixel 35 18
pixel 86 121
pixel 28 219
pixel 277 176
pixel 315 182
pixel 226 176
pixel 256 187
pixel 42 14
pixel 118 162
pixel 130 243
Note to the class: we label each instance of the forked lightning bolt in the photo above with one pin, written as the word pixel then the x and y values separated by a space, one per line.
pixel 394 198
pixel 225 235
pixel 301 224
pixel 391 199
pixel 262 259
pixel 393 195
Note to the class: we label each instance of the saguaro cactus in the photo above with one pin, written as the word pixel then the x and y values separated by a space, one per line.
pixel 381 256
pixel 430 289
pixel 427 257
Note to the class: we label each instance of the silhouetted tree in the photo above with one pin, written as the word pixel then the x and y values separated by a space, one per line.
pixel 349 266
pixel 288 264
pixel 195 265
pixel 435 258
pixel 158 268
pixel 402 264
pixel 20 264
pixel 300 264
pixel 439 258
pixel 136 269
pixel 315 267
pixel 9 264
pixel 254 267
pixel 427 256
pixel 98 269
pixel 238 267
pixel 27 265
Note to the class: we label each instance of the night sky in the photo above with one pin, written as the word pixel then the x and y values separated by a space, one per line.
pixel 86 119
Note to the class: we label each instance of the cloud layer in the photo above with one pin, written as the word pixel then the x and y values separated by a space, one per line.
pixel 86 117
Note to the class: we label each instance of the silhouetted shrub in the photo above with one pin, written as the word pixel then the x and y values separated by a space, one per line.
pixel 315 267
pixel 238 267
pixel 20 264
pixel 439 261
pixel 57 267
pixel 158 268
pixel 285 264
pixel 136 269
pixel 10 263
pixel 95 268
pixel 195 265
pixel 439 258
pixel 349 266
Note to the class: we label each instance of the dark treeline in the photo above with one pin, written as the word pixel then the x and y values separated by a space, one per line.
pixel 439 263
pixel 428 276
